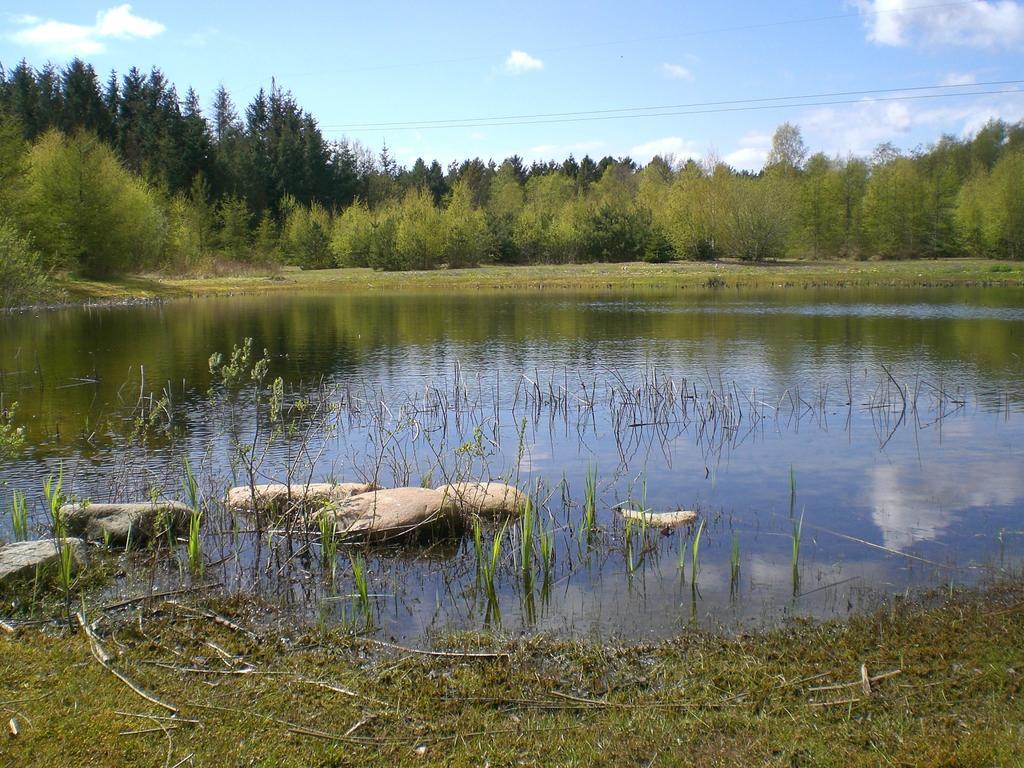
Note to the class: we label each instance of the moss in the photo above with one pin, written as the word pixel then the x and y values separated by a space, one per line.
pixel 698 699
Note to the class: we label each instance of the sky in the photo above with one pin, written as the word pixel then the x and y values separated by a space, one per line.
pixel 454 80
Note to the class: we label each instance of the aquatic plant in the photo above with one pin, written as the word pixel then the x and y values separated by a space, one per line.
pixel 695 554
pixel 590 500
pixel 734 565
pixel 795 537
pixel 19 515
pixel 527 522
pixel 54 495
pixel 362 593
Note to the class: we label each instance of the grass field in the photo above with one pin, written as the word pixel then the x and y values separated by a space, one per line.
pixel 945 272
pixel 933 683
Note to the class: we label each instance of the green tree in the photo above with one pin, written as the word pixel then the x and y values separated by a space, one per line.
pixel 86 211
pixel 21 277
pixel 466 237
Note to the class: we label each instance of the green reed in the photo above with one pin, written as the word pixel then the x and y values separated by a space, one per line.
pixel 797 534
pixel 734 565
pixel 590 500
pixel 19 516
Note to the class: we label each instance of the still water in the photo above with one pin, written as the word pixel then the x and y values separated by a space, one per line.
pixel 889 421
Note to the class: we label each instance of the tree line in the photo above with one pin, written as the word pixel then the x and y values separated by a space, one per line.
pixel 102 178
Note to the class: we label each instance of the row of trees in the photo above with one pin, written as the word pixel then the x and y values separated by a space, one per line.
pixel 128 176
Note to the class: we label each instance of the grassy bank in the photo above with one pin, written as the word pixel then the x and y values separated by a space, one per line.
pixel 945 272
pixel 944 686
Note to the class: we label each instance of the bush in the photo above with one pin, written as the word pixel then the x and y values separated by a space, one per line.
pixel 21 277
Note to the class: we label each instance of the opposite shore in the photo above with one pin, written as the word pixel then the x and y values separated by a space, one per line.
pixel 69 290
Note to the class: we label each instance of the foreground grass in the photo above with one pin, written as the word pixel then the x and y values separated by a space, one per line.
pixel 944 272
pixel 949 680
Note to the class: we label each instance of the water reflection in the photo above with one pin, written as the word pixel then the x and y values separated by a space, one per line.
pixel 896 413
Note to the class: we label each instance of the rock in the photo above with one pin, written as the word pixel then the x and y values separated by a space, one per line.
pixel 121 524
pixel 487 499
pixel 21 559
pixel 275 496
pixel 661 519
pixel 388 514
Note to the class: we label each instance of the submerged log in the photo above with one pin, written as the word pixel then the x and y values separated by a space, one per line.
pixel 278 498
pixel 484 499
pixel 121 524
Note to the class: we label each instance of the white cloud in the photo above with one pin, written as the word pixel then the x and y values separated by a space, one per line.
pixel 680 148
pixel 520 61
pixel 677 72
pixel 63 38
pixel 858 128
pixel 959 78
pixel 562 151
pixel 752 152
pixel 747 158
pixel 982 24
pixel 917 506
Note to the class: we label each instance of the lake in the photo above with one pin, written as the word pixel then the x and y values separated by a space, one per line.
pixel 840 446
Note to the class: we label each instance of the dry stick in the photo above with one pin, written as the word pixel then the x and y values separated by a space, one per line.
pixel 338 689
pixel 854 700
pixel 155 595
pixel 447 654
pixel 104 659
pixel 174 719
pixel 224 621
pixel 860 682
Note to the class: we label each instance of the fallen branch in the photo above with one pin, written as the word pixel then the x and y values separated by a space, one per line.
pixel 224 621
pixel 446 654
pixel 104 658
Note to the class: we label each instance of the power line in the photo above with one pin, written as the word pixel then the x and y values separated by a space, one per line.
pixel 472 122
pixel 745 106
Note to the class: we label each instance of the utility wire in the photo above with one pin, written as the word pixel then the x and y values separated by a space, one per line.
pixel 471 122
pixel 747 107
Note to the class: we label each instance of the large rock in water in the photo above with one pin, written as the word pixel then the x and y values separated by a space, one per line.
pixel 120 524
pixel 278 498
pixel 390 514
pixel 23 558
pixel 484 499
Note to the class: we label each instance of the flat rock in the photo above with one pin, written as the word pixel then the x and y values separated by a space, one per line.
pixel 277 497
pixel 21 559
pixel 486 499
pixel 661 519
pixel 387 514
pixel 119 524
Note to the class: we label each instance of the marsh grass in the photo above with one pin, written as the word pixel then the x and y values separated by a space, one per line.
pixel 795 537
pixel 695 554
pixel 362 590
pixel 590 501
pixel 194 545
pixel 19 516
pixel 527 524
pixel 734 566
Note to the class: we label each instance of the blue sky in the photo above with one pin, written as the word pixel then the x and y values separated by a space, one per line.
pixel 419 63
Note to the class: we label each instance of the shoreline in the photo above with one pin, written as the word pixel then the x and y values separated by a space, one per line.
pixel 151 288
